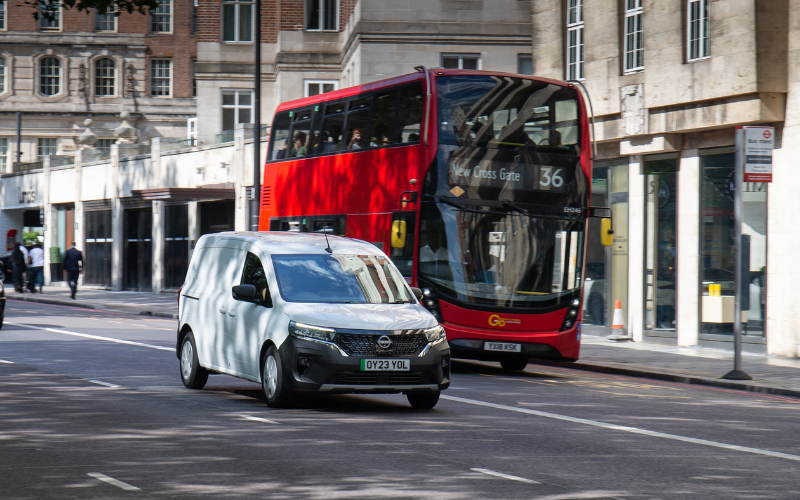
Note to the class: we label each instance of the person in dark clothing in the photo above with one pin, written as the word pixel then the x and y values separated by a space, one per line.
pixel 73 264
pixel 18 267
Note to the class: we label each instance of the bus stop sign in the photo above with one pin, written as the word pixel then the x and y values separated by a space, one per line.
pixel 757 154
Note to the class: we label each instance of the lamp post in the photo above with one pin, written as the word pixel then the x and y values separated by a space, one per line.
pixel 255 206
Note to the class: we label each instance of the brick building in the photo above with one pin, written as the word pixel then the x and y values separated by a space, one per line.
pixel 86 65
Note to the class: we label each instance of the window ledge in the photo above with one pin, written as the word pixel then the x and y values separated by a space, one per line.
pixel 706 58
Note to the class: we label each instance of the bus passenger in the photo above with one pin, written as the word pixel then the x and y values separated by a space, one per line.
pixel 299 148
pixel 356 142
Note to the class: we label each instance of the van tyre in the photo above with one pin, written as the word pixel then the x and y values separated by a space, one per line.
pixel 515 364
pixel 193 375
pixel 276 394
pixel 423 400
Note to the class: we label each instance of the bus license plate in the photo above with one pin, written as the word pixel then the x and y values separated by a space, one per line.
pixel 502 346
pixel 385 365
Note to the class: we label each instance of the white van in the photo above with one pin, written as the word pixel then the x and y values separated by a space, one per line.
pixel 307 312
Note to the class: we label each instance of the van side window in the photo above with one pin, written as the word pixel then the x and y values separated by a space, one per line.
pixel 254 274
pixel 279 137
pixel 332 128
pixel 410 119
pixel 301 134
pixel 358 122
pixel 384 109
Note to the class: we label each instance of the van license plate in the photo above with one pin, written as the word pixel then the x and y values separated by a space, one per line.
pixel 385 365
pixel 502 346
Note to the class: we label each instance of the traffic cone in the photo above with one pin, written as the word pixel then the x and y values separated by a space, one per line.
pixel 617 326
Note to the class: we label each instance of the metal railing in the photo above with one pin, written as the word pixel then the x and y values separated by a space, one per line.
pixel 26 166
pixel 173 144
pixel 248 133
pixel 99 154
pixel 128 150
pixel 224 136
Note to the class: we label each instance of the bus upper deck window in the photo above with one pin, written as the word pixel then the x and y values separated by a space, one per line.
pixel 357 122
pixel 384 109
pixel 279 136
pixel 332 126
pixel 301 134
pixel 410 119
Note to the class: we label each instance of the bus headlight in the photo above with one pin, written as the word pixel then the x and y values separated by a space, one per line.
pixel 304 331
pixel 435 334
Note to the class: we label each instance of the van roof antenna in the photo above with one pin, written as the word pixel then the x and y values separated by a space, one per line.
pixel 325 232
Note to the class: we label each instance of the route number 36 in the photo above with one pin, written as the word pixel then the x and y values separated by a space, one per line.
pixel 551 178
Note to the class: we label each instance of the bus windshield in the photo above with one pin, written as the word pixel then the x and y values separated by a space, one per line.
pixel 504 112
pixel 501 259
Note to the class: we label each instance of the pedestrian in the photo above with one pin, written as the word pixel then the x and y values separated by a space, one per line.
pixel 18 267
pixel 73 264
pixel 36 269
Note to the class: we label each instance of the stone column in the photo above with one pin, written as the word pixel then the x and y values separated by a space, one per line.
pixel 688 248
pixel 635 313
pixel 194 225
pixel 237 172
pixel 158 246
pixel 48 220
pixel 116 221
pixel 80 226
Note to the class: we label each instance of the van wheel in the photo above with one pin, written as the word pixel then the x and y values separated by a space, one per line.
pixel 272 383
pixel 423 400
pixel 193 375
pixel 515 364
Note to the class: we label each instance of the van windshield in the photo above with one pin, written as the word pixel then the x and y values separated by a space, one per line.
pixel 343 279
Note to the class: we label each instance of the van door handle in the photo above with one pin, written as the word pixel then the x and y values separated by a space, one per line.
pixel 232 313
pixel 222 310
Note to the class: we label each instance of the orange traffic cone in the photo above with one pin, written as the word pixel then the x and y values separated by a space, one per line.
pixel 617 325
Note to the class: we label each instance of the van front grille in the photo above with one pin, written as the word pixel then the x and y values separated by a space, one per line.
pixel 366 345
pixel 360 378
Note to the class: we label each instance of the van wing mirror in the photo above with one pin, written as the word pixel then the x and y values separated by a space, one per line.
pixel 246 293
pixel 417 292
pixel 399 233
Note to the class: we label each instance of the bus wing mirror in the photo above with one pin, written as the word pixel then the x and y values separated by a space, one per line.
pixel 398 234
pixel 606 233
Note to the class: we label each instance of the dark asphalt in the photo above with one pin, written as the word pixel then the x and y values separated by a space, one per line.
pixel 61 430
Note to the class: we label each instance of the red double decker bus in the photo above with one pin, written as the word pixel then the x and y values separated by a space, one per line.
pixel 475 183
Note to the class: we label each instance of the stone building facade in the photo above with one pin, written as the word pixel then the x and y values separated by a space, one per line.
pixel 86 65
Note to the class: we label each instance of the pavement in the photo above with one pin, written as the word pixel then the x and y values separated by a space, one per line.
pixel 689 365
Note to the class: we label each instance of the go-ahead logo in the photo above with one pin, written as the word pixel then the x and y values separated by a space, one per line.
pixel 496 320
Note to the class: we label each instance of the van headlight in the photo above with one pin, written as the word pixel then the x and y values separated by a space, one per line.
pixel 435 334
pixel 304 331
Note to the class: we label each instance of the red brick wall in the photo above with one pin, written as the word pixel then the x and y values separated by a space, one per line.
pixel 346 8
pixel 19 17
pixel 292 15
pixel 180 46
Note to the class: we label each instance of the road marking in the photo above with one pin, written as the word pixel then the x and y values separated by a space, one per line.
pixel 94 337
pixel 115 482
pixel 106 384
pixel 624 428
pixel 258 419
pixel 506 476
pixel 6 362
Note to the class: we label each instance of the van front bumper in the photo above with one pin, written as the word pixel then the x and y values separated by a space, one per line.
pixel 310 366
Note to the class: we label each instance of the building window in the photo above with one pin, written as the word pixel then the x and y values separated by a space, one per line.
pixel 3 16
pixel 237 107
pixel 699 45
pixel 322 15
pixel 53 11
pixel 194 77
pixel 634 41
pixel 524 64
pixel 316 87
pixel 161 17
pixel 105 22
pixel 461 61
pixel 237 21
pixel 104 76
pixel 49 75
pixel 3 154
pixel 575 40
pixel 2 74
pixel 160 77
pixel 104 146
pixel 194 17
pixel 46 147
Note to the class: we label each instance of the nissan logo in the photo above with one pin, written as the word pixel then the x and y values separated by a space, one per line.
pixel 384 342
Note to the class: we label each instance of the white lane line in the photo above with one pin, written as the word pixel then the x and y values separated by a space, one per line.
pixel 258 419
pixel 94 337
pixel 115 482
pixel 6 362
pixel 106 384
pixel 624 428
pixel 505 476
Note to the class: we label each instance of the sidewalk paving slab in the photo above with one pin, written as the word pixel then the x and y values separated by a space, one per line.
pixel 163 305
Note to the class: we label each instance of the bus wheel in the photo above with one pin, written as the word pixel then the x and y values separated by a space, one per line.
pixel 423 400
pixel 515 364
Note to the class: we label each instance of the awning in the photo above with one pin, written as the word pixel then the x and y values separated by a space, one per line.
pixel 187 194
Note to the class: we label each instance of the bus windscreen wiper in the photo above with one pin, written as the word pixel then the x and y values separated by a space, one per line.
pixel 448 201
pixel 516 208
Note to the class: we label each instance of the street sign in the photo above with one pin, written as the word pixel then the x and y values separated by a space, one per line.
pixel 757 155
